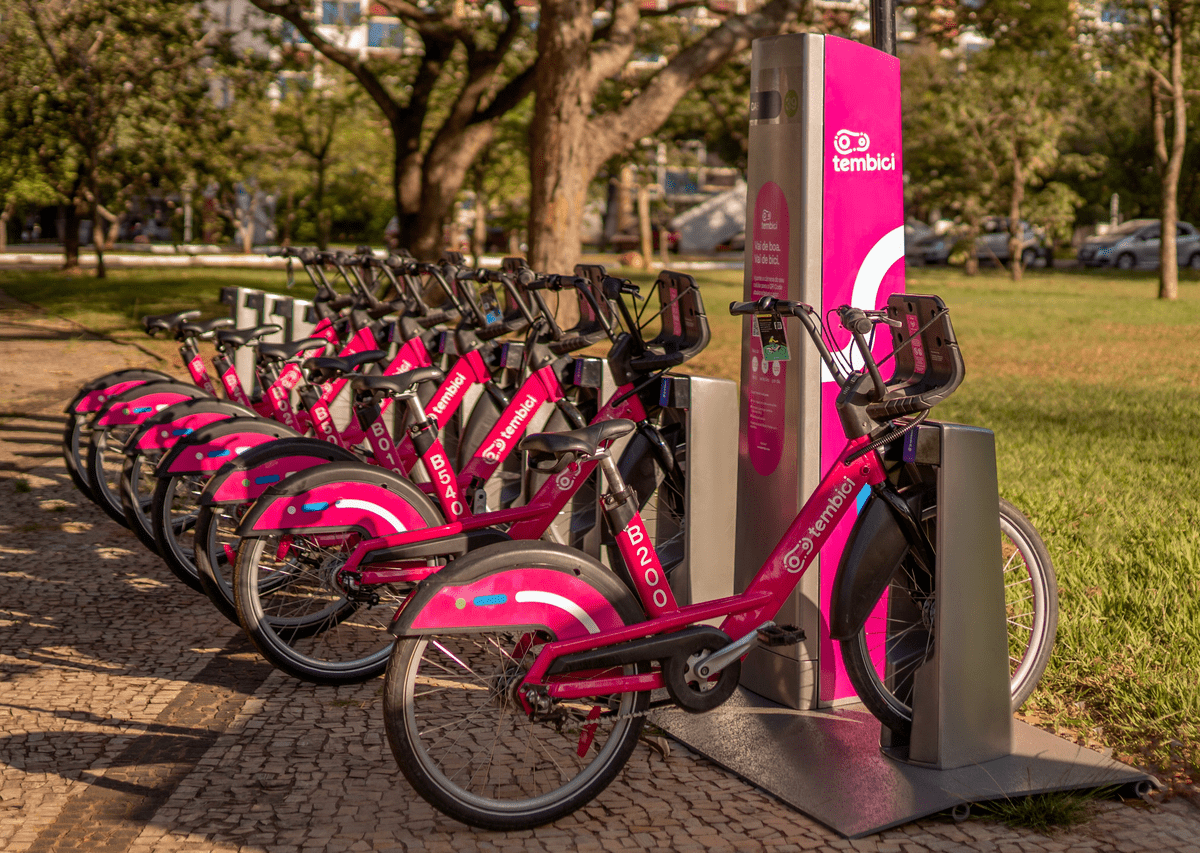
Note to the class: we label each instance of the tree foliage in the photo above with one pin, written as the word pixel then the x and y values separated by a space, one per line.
pixel 95 90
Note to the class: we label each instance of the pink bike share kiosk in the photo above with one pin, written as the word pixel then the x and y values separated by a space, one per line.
pixel 825 225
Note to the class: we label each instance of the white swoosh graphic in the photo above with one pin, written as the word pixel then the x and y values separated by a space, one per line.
pixel 865 295
pixel 352 503
pixel 554 600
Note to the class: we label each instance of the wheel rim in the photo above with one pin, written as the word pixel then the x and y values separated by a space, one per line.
pixel 298 610
pixel 476 743
pixel 142 483
pixel 182 506
pixel 110 459
pixel 904 640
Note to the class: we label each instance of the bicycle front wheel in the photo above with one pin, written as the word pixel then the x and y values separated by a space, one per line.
pixel 882 659
pixel 465 743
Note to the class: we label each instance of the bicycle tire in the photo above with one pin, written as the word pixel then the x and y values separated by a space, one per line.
pixel 173 514
pixel 466 745
pixel 105 462
pixel 300 620
pixel 1031 604
pixel 215 532
pixel 137 487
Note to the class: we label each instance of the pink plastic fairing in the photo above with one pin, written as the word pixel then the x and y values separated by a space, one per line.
pixel 94 401
pixel 241 486
pixel 210 456
pixel 141 409
pixel 564 605
pixel 164 436
pixel 862 245
pixel 350 505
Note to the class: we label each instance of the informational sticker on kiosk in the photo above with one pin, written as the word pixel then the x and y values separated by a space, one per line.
pixel 768 374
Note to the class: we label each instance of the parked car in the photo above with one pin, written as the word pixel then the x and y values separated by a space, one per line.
pixel 1137 243
pixel 991 244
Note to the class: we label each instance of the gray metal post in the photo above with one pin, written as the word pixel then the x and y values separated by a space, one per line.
pixel 786 152
pixel 961 700
pixel 883 25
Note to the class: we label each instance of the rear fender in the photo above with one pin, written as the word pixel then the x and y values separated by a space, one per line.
pixel 163 430
pixel 341 496
pixel 94 395
pixel 876 546
pixel 142 402
pixel 246 477
pixel 211 446
pixel 536 586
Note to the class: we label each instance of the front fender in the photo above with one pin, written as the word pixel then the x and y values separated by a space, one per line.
pixel 876 546
pixel 536 586
pixel 341 496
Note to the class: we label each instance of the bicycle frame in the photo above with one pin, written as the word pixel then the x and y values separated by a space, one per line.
pixel 742 614
pixel 527 522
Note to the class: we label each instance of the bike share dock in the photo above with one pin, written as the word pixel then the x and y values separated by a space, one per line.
pixel 825 208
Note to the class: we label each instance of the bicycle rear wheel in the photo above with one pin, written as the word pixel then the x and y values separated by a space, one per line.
pixel 292 601
pixel 465 743
pixel 906 639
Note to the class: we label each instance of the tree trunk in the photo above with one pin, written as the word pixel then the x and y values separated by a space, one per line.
pixel 568 145
pixel 971 267
pixel 644 226
pixel 445 169
pixel 98 239
pixel 561 167
pixel 5 216
pixel 324 220
pixel 479 233
pixel 70 237
pixel 1168 280
pixel 1015 232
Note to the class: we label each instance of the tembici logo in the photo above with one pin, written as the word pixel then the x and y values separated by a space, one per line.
pixel 850 142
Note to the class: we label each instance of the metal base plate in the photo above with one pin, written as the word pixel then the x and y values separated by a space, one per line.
pixel 827 764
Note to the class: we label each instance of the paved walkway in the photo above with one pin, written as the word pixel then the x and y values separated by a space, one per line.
pixel 134 718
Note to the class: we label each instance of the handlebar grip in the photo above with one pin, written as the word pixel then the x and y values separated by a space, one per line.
pixel 771 305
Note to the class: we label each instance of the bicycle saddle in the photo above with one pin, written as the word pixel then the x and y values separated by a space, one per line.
pixel 331 367
pixel 584 441
pixel 204 328
pixel 399 383
pixel 241 337
pixel 164 322
pixel 282 352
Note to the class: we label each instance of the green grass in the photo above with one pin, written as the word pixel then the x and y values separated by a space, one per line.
pixel 1044 813
pixel 1093 389
pixel 115 304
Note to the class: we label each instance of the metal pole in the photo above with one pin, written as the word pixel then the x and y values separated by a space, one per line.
pixel 883 25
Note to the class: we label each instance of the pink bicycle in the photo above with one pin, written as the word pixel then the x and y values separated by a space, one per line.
pixel 523 671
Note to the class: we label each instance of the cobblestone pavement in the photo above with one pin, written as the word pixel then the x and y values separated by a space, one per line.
pixel 135 718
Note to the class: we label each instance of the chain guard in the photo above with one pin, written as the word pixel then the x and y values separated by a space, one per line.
pixel 683 684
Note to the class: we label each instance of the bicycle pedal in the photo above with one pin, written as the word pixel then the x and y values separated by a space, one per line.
pixel 781 635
